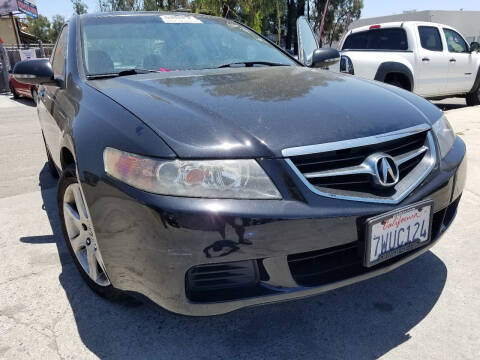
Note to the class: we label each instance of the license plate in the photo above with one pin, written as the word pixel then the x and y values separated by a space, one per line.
pixel 396 232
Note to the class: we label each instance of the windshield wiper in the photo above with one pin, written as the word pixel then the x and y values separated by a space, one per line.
pixel 251 64
pixel 133 71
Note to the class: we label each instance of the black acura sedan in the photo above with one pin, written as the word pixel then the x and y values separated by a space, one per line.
pixel 205 168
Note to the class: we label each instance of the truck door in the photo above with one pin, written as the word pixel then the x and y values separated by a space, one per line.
pixel 431 66
pixel 461 65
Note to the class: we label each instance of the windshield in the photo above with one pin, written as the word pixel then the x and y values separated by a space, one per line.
pixel 162 42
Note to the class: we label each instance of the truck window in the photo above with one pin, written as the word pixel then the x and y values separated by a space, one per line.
pixel 455 42
pixel 378 39
pixel 430 38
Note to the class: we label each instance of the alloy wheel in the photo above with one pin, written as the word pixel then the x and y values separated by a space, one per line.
pixel 81 235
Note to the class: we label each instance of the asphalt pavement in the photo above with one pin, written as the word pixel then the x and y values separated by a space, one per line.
pixel 427 309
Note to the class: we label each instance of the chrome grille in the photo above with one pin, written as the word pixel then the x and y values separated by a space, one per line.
pixel 339 169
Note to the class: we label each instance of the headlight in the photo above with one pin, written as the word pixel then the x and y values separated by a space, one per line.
pixel 233 179
pixel 445 135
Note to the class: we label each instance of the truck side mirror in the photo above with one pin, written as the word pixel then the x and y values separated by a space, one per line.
pixel 474 46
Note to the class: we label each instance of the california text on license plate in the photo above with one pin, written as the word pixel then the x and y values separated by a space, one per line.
pixel 397 232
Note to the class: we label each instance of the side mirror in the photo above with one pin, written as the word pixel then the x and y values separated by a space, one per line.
pixel 325 57
pixel 34 72
pixel 474 46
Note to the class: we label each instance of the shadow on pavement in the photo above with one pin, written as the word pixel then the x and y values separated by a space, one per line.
pixel 21 100
pixel 445 106
pixel 361 321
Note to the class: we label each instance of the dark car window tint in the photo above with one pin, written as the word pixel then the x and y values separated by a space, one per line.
pixel 378 39
pixel 170 43
pixel 455 42
pixel 59 56
pixel 430 38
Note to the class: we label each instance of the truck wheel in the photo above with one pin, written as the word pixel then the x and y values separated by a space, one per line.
pixel 394 83
pixel 398 80
pixel 473 99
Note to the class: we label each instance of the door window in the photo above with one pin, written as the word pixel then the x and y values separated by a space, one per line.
pixel 60 54
pixel 455 42
pixel 430 38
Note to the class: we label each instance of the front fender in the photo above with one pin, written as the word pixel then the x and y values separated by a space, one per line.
pixel 101 123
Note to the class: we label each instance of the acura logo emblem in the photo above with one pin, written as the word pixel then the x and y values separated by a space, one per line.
pixel 384 170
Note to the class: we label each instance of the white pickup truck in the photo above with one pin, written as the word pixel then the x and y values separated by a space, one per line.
pixel 432 60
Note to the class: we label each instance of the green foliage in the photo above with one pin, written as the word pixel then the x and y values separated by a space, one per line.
pixel 39 27
pixel 120 5
pixel 260 15
pixel 273 18
pixel 336 17
pixel 79 7
pixel 55 28
pixel 155 5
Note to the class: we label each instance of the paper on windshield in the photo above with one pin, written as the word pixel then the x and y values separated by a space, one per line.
pixel 180 19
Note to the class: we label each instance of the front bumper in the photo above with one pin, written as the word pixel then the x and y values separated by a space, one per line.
pixel 150 242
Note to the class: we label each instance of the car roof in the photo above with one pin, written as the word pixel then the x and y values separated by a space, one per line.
pixel 146 13
pixel 398 24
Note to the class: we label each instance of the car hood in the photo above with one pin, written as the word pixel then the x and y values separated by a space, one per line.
pixel 257 112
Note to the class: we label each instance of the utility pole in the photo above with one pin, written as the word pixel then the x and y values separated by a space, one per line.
pixel 15 28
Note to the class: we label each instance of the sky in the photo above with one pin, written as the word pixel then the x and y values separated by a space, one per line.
pixel 371 8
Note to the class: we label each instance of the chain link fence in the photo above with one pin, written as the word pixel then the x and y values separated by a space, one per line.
pixel 14 52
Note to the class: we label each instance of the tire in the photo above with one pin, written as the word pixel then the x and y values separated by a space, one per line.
pixel 395 82
pixel 14 92
pixel 52 169
pixel 68 195
pixel 473 99
pixel 34 95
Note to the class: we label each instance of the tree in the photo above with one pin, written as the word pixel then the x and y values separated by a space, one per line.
pixel 79 7
pixel 295 9
pixel 39 27
pixel 155 5
pixel 55 28
pixel 278 14
pixel 336 17
pixel 258 14
pixel 120 5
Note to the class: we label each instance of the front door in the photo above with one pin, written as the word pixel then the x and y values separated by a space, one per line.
pixel 461 66
pixel 50 112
